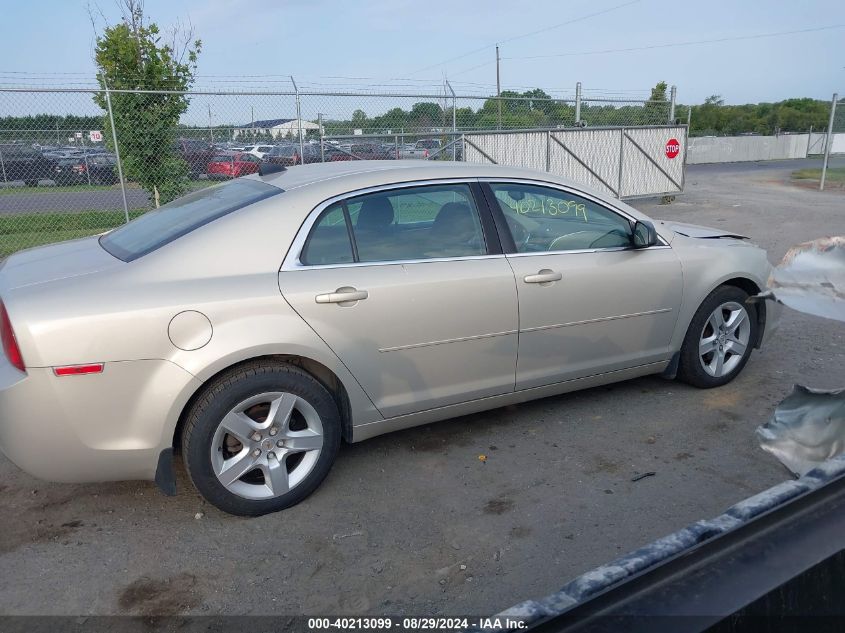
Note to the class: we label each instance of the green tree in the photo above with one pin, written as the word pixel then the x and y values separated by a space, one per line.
pixel 359 119
pixel 656 109
pixel 131 55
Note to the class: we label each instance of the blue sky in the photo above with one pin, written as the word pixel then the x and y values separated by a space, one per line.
pixel 403 42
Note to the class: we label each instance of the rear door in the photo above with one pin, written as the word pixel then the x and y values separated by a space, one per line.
pixel 588 302
pixel 409 287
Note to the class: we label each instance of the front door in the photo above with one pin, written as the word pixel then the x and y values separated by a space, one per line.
pixel 588 302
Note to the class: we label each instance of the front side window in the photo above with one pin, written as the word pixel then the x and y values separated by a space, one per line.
pixel 428 222
pixel 543 219
pixel 156 228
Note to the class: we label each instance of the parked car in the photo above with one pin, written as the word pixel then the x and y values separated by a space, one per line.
pixel 232 165
pixel 288 155
pixel 69 171
pixel 103 169
pixel 196 153
pixel 285 155
pixel 430 148
pixel 21 162
pixel 412 151
pixel 259 151
pixel 97 169
pixel 367 151
pixel 254 324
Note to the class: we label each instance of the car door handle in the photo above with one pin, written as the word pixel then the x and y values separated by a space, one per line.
pixel 342 295
pixel 543 277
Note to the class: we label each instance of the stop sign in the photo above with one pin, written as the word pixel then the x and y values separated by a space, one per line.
pixel 673 148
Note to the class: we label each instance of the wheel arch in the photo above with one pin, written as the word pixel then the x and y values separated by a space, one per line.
pixel 320 372
pixel 752 288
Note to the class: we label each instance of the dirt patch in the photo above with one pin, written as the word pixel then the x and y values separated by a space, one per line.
pixel 24 533
pixel 602 465
pixel 160 596
pixel 829 185
pixel 520 531
pixel 498 506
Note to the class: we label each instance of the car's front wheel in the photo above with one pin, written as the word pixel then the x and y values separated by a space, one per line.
pixel 719 340
pixel 261 438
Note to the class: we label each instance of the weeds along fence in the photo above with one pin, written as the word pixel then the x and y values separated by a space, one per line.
pixel 76 162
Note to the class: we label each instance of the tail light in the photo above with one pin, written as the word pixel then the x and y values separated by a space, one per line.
pixel 10 343
pixel 425 153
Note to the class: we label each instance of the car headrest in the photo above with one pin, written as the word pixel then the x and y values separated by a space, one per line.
pixel 375 214
pixel 454 220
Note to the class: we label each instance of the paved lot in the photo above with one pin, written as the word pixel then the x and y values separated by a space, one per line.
pixel 67 201
pixel 414 521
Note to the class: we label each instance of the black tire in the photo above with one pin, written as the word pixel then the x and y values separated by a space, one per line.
pixel 690 368
pixel 219 398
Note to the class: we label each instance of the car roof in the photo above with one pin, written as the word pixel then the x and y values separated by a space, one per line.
pixel 363 173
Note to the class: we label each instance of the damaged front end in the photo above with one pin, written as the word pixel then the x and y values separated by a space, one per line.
pixel 808 426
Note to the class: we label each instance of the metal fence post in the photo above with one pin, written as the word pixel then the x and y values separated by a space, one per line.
pixel 498 91
pixel 548 150
pixel 673 92
pixel 299 123
pixel 87 166
pixel 829 140
pixel 322 146
pixel 454 120
pixel 621 161
pixel 3 166
pixel 577 103
pixel 117 154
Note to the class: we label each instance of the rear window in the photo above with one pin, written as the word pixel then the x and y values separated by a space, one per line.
pixel 173 220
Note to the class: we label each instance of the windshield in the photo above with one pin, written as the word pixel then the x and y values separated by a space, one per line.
pixel 175 219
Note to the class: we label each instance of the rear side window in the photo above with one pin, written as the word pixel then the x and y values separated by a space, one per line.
pixel 415 223
pixel 329 242
pixel 156 228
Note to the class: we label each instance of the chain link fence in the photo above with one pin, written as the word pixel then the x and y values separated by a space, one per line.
pixel 65 172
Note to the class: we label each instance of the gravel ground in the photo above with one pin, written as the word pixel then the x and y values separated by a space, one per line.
pixel 415 522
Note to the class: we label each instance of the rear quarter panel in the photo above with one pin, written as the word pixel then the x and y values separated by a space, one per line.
pixel 226 270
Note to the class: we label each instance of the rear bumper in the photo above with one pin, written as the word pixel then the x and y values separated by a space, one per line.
pixel 89 428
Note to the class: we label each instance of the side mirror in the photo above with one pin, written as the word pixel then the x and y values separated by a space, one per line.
pixel 644 234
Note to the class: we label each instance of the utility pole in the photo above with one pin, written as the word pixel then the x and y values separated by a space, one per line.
pixel 577 103
pixel 829 140
pixel 673 93
pixel 498 89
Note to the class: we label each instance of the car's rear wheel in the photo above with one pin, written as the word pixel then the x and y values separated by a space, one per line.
pixel 261 438
pixel 719 340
